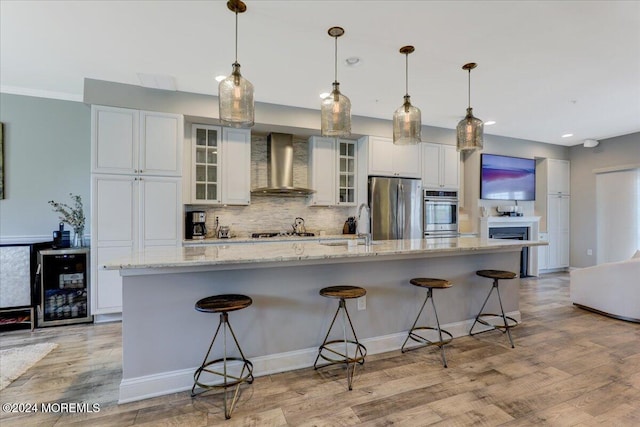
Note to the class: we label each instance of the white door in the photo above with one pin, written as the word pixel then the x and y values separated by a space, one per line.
pixel 236 166
pixel 161 138
pixel 450 167
pixel 114 140
pixel 618 215
pixel 430 166
pixel 322 170
pixel 160 212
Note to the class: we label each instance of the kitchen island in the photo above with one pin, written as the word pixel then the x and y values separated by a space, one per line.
pixel 164 338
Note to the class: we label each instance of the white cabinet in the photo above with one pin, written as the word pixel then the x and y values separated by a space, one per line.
pixel 220 165
pixel 136 190
pixel 236 166
pixel 126 141
pixel 558 176
pixel 333 171
pixel 440 167
pixel 388 159
pixel 129 213
pixel 543 252
pixel 558 213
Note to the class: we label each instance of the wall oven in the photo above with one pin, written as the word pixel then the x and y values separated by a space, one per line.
pixel 440 213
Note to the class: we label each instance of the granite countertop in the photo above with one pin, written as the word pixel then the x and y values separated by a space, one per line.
pixel 251 255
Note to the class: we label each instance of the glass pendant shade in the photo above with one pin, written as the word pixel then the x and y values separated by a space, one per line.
pixel 469 132
pixel 335 113
pixel 407 124
pixel 235 97
pixel 335 109
pixel 235 93
pixel 407 120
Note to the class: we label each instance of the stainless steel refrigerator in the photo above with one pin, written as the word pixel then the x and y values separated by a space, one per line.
pixel 396 208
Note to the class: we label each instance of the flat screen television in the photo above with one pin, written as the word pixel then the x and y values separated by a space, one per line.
pixel 507 178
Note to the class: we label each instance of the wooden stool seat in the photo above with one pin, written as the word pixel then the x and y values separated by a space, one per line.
pixel 343 292
pixel 430 283
pixel 223 303
pixel 496 274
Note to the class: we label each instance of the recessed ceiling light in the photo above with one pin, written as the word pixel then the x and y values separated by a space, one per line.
pixel 490 122
pixel 323 95
pixel 220 78
pixel 352 61
pixel 567 135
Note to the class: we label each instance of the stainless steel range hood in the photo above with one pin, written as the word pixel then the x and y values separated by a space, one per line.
pixel 280 168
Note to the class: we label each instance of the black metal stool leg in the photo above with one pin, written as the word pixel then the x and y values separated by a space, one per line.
pixel 425 342
pixel 360 350
pixel 505 327
pixel 433 304
pixel 478 320
pixel 504 318
pixel 414 323
pixel 246 373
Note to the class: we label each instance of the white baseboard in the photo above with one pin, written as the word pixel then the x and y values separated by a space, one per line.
pixel 109 317
pixel 149 386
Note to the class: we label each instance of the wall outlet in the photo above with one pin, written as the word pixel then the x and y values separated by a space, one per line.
pixel 362 303
pixel 589 252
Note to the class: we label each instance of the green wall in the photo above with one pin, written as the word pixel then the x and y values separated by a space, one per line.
pixel 47 148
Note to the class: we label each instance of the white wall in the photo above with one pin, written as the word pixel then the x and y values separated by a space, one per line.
pixel 47 147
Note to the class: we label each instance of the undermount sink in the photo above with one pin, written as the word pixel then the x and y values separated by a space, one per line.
pixel 346 242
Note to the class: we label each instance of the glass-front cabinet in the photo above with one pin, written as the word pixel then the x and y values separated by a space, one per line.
pixel 206 164
pixel 346 172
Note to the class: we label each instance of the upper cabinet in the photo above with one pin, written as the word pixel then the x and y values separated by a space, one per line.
pixel 440 167
pixel 220 165
pixel 127 141
pixel 388 159
pixel 558 176
pixel 332 171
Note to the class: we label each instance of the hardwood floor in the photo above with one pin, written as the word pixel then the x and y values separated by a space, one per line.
pixel 570 367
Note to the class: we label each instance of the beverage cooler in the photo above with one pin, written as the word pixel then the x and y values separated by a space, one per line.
pixel 64 287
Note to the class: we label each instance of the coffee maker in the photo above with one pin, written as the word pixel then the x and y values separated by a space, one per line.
pixel 195 227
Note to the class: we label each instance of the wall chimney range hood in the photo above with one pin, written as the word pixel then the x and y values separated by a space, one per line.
pixel 280 168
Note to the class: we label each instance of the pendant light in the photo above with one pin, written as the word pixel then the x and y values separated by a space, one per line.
pixel 470 128
pixel 335 109
pixel 407 120
pixel 235 93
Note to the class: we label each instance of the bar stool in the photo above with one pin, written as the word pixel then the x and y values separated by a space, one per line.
pixel 507 322
pixel 360 351
pixel 430 284
pixel 223 304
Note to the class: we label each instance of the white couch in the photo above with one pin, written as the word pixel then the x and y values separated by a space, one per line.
pixel 612 289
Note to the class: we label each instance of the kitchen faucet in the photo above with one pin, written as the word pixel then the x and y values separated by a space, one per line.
pixel 363 229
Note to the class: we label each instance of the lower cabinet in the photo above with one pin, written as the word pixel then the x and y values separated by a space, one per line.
pixel 129 213
pixel 543 252
pixel 558 231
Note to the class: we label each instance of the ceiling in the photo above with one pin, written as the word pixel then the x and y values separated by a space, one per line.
pixel 545 68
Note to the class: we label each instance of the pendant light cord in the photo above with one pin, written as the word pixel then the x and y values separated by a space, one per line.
pixel 236 36
pixel 335 62
pixel 469 88
pixel 406 80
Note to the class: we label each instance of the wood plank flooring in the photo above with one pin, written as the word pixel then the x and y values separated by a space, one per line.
pixel 570 367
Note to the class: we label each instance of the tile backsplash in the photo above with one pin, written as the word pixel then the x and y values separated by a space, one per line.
pixel 273 213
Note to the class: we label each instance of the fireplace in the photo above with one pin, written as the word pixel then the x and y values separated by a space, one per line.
pixel 516 233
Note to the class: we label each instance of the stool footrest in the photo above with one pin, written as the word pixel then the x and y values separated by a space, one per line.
pixel 344 358
pixel 426 342
pixel 495 325
pixel 248 377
